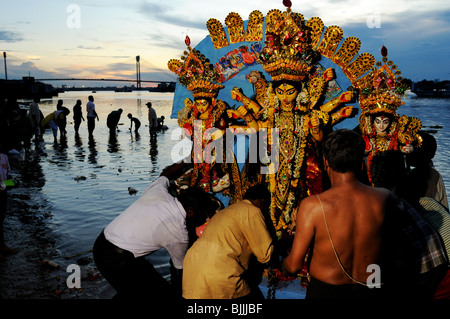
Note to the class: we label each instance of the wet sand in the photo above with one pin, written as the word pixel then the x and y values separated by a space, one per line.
pixel 28 229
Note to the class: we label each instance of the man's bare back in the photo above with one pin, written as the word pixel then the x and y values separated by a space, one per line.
pixel 354 213
pixel 355 224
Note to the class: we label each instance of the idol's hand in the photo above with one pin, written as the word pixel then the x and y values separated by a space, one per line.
pixel 408 148
pixel 315 122
pixel 346 111
pixel 233 114
pixel 329 74
pixel 236 94
pixel 346 96
pixel 239 113
pixel 368 148
pixel 212 134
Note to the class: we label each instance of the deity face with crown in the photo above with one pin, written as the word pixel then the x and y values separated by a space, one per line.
pixel 287 94
pixel 202 106
pixel 382 122
pixel 381 92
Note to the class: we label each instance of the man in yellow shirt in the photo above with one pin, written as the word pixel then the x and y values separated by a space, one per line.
pixel 217 265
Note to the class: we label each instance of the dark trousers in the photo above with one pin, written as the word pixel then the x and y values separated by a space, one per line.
pixel 131 277
pixel 321 290
pixel 77 123
pixel 90 124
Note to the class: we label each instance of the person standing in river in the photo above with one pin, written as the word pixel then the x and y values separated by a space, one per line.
pixel 63 124
pixel 35 118
pixel 152 120
pixel 91 115
pixel 113 120
pixel 137 123
pixel 56 120
pixel 77 115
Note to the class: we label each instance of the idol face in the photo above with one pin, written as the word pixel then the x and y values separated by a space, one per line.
pixel 287 94
pixel 202 105
pixel 382 123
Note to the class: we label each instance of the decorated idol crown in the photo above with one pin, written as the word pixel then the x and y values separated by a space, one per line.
pixel 196 73
pixel 381 90
pixel 288 53
pixel 292 45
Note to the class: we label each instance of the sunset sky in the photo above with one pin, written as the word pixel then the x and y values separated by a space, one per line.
pixel 101 39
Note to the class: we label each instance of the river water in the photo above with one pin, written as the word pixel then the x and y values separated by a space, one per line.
pixel 81 186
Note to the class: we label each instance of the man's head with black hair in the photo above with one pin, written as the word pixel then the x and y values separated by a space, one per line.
pixel 258 191
pixel 388 169
pixel 198 205
pixel 344 151
pixel 422 156
pixel 259 195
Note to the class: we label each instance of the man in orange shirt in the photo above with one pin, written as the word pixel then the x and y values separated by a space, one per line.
pixel 218 265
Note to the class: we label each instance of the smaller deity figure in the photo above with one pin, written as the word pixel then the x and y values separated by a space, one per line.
pixel 204 119
pixel 383 130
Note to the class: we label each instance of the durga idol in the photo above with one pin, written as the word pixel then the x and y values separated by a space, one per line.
pixel 293 104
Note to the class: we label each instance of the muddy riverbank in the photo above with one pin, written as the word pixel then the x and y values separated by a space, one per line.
pixel 34 272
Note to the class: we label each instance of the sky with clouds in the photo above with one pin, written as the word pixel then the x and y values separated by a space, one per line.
pixel 101 39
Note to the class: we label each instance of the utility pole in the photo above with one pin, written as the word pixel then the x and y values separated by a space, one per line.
pixel 138 72
pixel 6 73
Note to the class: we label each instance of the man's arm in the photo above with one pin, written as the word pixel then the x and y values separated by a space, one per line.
pixel 175 170
pixel 258 237
pixel 95 112
pixel 304 234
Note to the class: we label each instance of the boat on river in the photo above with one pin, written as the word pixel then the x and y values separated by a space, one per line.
pixel 431 89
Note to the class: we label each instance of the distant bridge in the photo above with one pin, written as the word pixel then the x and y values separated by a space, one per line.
pixel 117 80
pixel 137 80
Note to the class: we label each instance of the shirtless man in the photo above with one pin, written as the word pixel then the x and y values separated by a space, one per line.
pixel 355 214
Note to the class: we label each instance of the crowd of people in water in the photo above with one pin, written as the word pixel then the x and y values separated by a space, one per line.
pixel 23 123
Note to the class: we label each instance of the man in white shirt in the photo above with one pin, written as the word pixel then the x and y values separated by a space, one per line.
pixel 152 120
pixel 91 115
pixel 156 220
